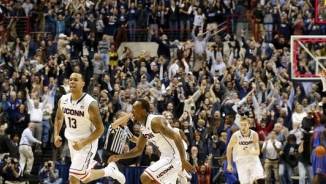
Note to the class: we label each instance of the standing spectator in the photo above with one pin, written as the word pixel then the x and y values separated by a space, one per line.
pixel 30 47
pixel 60 24
pixel 25 149
pixel 122 19
pixel 288 159
pixel 76 45
pixel 77 26
pixel 185 11
pixel 304 164
pixel 199 20
pixel 36 116
pixel 268 24
pixel 173 14
pixel 132 19
pixel 11 108
pixel 152 23
pixel 90 24
pixel 104 47
pixel 27 5
pixel 272 147
pixel 98 67
pixel 142 22
pixel 298 26
pixel 163 44
pixel 100 26
pixel 49 26
pixel 34 19
pixel 21 22
pixel 63 42
pixel 92 44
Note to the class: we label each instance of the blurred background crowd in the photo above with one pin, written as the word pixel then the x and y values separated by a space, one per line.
pixel 216 61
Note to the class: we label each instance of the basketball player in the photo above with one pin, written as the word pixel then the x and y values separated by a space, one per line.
pixel 230 176
pixel 318 163
pixel 244 145
pixel 83 128
pixel 156 129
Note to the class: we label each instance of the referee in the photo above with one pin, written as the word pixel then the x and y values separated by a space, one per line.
pixel 116 137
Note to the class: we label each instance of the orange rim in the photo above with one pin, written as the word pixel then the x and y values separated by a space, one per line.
pixel 322 74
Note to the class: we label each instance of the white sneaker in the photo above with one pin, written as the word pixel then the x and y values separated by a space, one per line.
pixel 114 172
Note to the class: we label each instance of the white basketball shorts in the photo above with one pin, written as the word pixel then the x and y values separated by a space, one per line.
pixel 165 170
pixel 249 170
pixel 82 160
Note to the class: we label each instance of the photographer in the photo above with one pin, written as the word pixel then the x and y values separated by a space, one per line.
pixel 11 172
pixel 49 174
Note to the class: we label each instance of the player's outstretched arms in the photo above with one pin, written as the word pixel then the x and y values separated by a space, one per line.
pixel 58 125
pixel 141 143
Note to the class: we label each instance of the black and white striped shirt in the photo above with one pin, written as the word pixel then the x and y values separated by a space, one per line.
pixel 116 139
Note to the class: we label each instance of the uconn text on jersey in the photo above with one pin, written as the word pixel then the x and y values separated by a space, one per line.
pixel 73 112
pixel 245 142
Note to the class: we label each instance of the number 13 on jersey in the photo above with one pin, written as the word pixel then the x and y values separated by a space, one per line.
pixel 72 122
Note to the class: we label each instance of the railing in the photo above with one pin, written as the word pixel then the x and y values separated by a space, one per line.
pixel 142 35
pixel 39 36
pixel 233 21
pixel 18 28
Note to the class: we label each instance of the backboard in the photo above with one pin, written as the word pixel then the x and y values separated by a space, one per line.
pixel 308 57
pixel 320 13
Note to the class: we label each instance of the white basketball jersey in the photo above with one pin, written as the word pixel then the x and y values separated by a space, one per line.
pixel 244 142
pixel 78 123
pixel 177 130
pixel 165 145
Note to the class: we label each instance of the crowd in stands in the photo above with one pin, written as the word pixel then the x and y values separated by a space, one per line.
pixel 200 89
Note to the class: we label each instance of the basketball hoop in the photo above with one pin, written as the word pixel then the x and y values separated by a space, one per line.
pixel 322 75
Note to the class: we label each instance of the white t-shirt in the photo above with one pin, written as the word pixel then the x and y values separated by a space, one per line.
pixel 270 150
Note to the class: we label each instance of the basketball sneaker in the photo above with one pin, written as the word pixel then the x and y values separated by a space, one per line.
pixel 113 172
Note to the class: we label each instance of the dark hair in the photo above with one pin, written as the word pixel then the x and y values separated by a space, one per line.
pixel 81 75
pixel 144 104
pixel 292 137
pixel 231 115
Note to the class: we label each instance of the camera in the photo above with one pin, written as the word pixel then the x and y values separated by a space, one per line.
pixel 12 161
pixel 49 165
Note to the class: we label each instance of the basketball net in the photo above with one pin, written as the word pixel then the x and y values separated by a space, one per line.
pixel 322 76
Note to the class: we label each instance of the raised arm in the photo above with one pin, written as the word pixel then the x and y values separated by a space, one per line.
pixel 125 117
